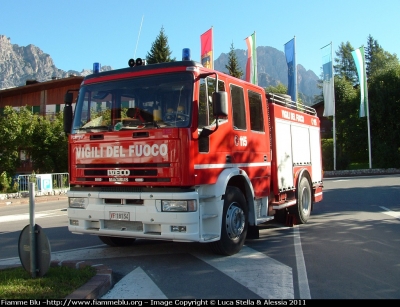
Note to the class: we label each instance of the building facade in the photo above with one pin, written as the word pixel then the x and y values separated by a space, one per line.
pixel 45 98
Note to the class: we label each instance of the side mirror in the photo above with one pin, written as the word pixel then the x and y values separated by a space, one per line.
pixel 220 104
pixel 220 108
pixel 68 97
pixel 67 119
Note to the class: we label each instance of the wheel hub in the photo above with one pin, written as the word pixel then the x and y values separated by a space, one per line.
pixel 235 221
pixel 306 201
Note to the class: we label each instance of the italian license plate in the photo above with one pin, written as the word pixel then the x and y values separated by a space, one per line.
pixel 120 216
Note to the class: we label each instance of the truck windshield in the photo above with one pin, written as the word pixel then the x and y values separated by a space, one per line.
pixel 137 103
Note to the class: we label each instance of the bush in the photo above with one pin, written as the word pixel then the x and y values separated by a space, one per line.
pixel 327 154
pixel 8 184
pixel 4 182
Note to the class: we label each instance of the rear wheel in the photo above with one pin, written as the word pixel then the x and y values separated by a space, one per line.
pixel 117 241
pixel 234 223
pixel 302 210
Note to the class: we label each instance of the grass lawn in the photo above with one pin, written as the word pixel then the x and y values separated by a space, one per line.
pixel 57 283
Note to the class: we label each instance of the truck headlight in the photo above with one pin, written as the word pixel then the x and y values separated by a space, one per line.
pixel 179 205
pixel 78 202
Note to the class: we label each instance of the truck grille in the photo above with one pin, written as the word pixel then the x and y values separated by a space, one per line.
pixel 130 165
pixel 139 173
pixel 84 179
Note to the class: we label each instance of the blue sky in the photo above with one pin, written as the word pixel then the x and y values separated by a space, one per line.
pixel 77 33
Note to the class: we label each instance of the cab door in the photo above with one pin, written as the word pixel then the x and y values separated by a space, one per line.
pixel 250 141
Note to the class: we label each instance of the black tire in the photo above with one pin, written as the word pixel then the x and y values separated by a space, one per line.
pixel 234 223
pixel 302 210
pixel 117 241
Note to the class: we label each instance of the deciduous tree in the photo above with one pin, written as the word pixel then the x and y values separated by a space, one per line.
pixel 16 128
pixel 42 138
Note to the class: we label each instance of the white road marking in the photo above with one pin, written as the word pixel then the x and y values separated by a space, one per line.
pixel 302 278
pixel 25 216
pixel 394 214
pixel 259 273
pixel 135 285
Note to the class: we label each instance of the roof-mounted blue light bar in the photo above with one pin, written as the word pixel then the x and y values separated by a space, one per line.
pixel 96 68
pixel 186 54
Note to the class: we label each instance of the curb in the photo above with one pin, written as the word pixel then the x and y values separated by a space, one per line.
pixel 361 172
pixel 96 287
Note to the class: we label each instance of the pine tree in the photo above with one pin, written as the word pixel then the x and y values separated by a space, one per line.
pixel 370 51
pixel 345 67
pixel 377 59
pixel 233 65
pixel 160 52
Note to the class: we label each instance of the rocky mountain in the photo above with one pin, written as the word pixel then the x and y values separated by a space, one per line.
pixel 272 69
pixel 19 64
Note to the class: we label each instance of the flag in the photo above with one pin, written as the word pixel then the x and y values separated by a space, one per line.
pixel 328 81
pixel 292 69
pixel 251 65
pixel 359 59
pixel 206 40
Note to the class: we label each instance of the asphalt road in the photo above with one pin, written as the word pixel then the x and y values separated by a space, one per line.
pixel 349 249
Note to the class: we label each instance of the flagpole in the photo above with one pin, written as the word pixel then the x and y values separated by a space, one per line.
pixel 295 69
pixel 367 106
pixel 334 113
pixel 369 137
pixel 255 61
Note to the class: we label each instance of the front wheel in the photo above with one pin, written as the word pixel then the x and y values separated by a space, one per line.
pixel 234 223
pixel 117 241
pixel 302 210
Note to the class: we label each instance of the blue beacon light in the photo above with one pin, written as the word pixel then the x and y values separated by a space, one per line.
pixel 185 54
pixel 96 68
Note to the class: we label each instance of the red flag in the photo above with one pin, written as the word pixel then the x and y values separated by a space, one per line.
pixel 206 40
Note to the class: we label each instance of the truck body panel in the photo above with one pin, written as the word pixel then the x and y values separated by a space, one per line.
pixel 150 157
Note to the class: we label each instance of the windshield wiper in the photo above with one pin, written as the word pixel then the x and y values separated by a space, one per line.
pixel 141 126
pixel 104 128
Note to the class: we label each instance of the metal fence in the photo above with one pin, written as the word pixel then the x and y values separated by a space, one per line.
pixel 44 183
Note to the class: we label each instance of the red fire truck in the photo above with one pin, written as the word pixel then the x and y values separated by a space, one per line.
pixel 176 151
